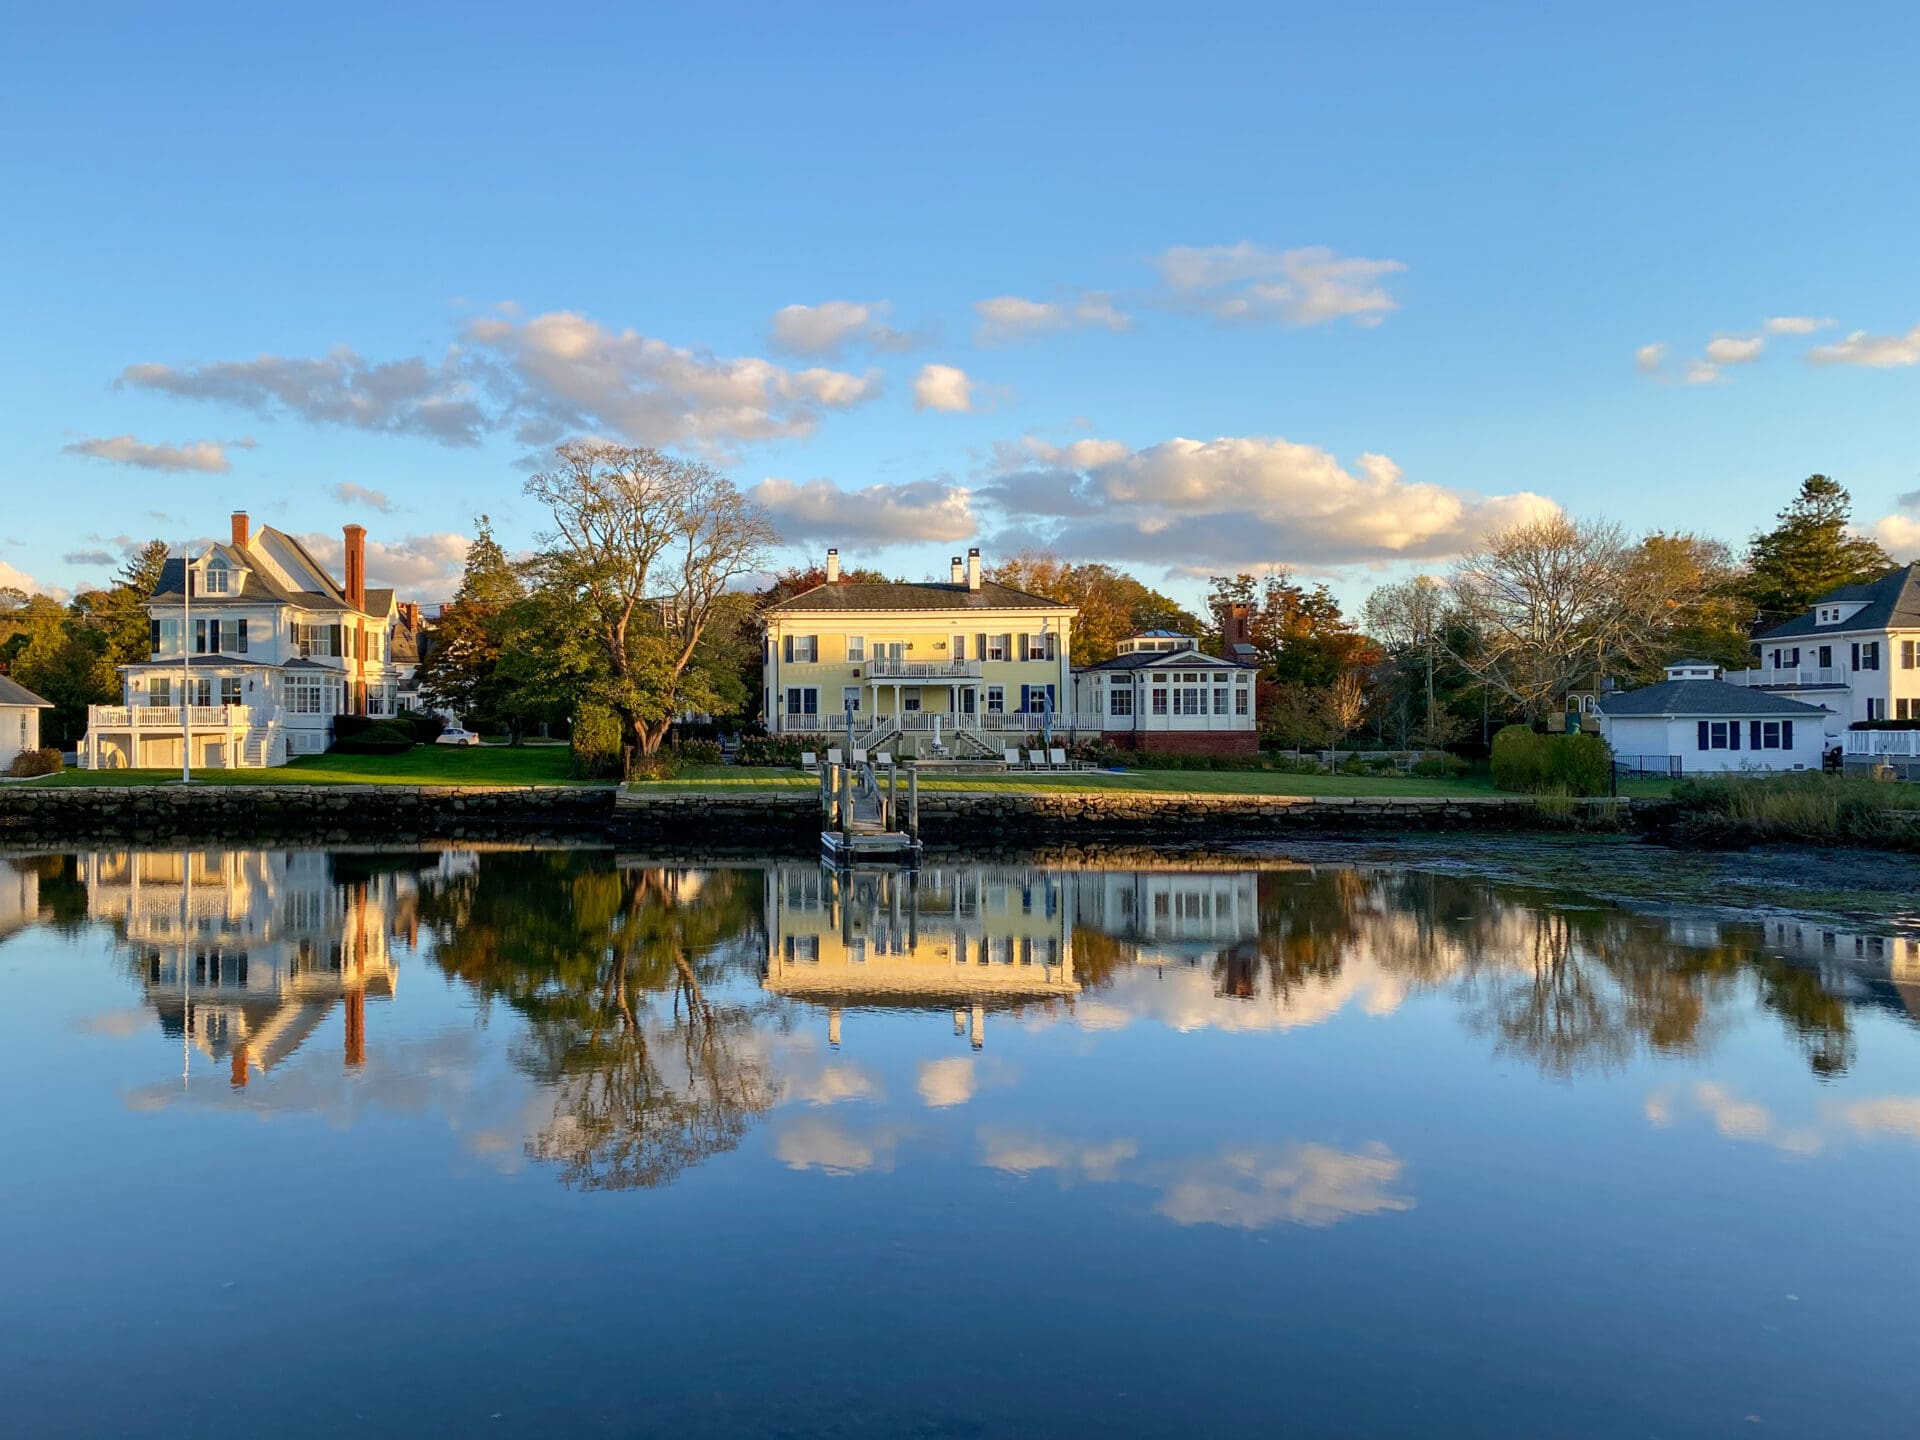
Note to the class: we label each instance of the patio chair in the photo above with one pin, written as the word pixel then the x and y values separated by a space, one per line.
pixel 1012 757
pixel 882 757
pixel 859 755
pixel 1058 758
pixel 809 760
pixel 1036 759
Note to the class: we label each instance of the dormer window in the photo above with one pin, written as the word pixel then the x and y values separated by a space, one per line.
pixel 219 581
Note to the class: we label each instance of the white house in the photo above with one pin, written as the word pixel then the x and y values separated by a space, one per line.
pixel 1855 653
pixel 1161 692
pixel 265 648
pixel 1700 721
pixel 967 666
pixel 19 720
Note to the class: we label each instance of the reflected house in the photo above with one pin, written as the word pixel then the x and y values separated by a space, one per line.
pixel 972 938
pixel 244 953
pixel 19 896
pixel 1853 965
pixel 1177 917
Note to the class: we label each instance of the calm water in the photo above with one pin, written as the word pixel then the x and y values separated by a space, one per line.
pixel 532 1143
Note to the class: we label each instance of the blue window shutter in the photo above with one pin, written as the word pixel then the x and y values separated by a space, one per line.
pixel 786 648
pixel 1733 734
pixel 153 636
pixel 1703 734
pixel 1786 734
pixel 1753 735
pixel 240 638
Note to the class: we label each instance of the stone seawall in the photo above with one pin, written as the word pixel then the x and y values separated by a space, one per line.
pixel 701 820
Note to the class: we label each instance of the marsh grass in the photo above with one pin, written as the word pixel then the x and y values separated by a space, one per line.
pixel 1831 809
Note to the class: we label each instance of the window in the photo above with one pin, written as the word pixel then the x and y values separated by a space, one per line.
pixel 159 690
pixel 959 650
pixel 1770 735
pixel 1220 699
pixel 1876 709
pixel 1826 657
pixel 850 698
pixel 996 700
pixel 1241 700
pixel 1866 655
pixel 218 580
pixel 803 700
pixel 302 695
pixel 806 649
pixel 996 647
pixel 200 636
pixel 856 649
pixel 1120 700
pixel 1040 647
pixel 1900 710
pixel 1159 696
pixel 1906 654
pixel 313 640
pixel 910 700
pixel 230 690
pixel 1719 735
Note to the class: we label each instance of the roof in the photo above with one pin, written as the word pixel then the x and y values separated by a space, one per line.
pixel 1172 659
pixel 1159 635
pixel 861 595
pixel 12 692
pixel 252 662
pixel 1701 697
pixel 1891 601
pixel 261 583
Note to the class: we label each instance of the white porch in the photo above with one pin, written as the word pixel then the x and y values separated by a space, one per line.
pixel 222 737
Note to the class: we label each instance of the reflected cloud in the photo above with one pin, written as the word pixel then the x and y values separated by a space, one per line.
pixel 946 1082
pixel 117 1023
pixel 1253 1187
pixel 833 1085
pixel 818 1143
pixel 1888 1115
pixel 1026 1153
pixel 1735 1117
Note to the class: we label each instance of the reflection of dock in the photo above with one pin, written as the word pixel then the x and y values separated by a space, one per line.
pixel 965 938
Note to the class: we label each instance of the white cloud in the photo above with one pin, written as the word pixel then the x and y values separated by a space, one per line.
pixel 1253 1187
pixel 402 397
pixel 1795 325
pixel 1735 349
pixel 1649 358
pixel 832 326
pixel 545 376
pixel 1899 535
pixel 1006 318
pixel 818 1143
pixel 1246 501
pixel 348 493
pixel 204 455
pixel 567 373
pixel 1307 286
pixel 419 567
pixel 1700 372
pixel 947 1082
pixel 942 387
pixel 877 515
pixel 1878 351
pixel 14 578
pixel 1020 1152
pixel 833 1085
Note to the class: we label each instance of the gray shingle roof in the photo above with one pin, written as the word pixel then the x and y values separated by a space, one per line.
pixel 1172 659
pixel 1892 600
pixel 857 595
pixel 12 692
pixel 1701 697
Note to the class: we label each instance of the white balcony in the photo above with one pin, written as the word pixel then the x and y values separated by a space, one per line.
pixel 1787 677
pixel 167 717
pixel 923 669
pixel 1897 743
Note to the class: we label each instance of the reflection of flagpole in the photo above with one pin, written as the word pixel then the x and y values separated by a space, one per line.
pixel 186 974
pixel 186 668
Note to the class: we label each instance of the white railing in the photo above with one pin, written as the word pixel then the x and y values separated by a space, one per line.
pixel 923 669
pixel 1802 676
pixel 1883 742
pixel 166 717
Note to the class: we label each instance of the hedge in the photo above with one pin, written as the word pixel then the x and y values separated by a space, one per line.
pixel 1526 761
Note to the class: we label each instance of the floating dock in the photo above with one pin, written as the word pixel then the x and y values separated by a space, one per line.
pixel 864 820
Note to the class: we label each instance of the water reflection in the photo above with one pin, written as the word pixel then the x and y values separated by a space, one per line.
pixel 660 1011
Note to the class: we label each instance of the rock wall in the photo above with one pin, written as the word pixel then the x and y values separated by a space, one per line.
pixel 785 822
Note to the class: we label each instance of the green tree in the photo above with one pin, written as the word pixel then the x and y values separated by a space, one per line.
pixel 1113 604
pixel 462 671
pixel 1809 551
pixel 65 660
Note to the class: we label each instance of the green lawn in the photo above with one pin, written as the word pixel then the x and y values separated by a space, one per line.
pixel 422 765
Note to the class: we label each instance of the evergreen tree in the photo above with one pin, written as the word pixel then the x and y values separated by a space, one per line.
pixel 1809 552
pixel 462 670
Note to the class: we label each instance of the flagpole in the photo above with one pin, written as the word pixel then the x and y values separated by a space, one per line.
pixel 186 668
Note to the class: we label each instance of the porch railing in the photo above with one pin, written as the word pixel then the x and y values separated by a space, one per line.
pixel 1787 676
pixel 1883 742
pixel 166 717
pixel 923 669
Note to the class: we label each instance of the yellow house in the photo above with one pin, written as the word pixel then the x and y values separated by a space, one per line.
pixel 954 667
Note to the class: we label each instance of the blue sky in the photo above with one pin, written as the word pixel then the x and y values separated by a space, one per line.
pixel 1387 271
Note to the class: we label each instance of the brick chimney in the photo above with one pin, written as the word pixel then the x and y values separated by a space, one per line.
pixel 959 571
pixel 973 568
pixel 833 567
pixel 1234 628
pixel 242 532
pixel 356 576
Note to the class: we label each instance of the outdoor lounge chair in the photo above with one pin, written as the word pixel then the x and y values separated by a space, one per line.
pixel 859 755
pixel 809 760
pixel 1058 757
pixel 883 757
pixel 1036 759
pixel 1012 758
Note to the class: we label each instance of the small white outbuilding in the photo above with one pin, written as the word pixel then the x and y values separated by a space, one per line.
pixel 19 720
pixel 1697 718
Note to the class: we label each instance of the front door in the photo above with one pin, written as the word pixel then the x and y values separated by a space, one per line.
pixel 967 701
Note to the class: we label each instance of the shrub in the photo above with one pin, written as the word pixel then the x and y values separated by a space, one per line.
pixel 697 752
pixel 426 726
pixel 595 746
pixel 1531 763
pixel 1806 806
pixel 1439 767
pixel 36 762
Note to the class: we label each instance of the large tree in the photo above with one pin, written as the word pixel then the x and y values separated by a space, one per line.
pixel 1299 631
pixel 1809 551
pixel 463 670
pixel 642 550
pixel 1113 604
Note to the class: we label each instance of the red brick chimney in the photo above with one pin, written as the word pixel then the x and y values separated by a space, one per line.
pixel 242 532
pixel 1234 628
pixel 356 577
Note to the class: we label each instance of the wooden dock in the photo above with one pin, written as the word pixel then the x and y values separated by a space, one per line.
pixel 863 822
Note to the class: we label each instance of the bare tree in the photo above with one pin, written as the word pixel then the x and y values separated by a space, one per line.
pixel 642 548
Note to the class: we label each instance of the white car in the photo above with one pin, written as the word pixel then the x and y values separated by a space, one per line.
pixel 457 737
